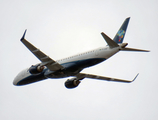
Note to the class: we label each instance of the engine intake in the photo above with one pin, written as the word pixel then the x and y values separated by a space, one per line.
pixel 35 69
pixel 72 83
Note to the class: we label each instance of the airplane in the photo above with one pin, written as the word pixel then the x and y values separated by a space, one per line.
pixel 73 65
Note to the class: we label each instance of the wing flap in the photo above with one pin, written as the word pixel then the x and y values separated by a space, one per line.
pixel 84 75
pixel 46 60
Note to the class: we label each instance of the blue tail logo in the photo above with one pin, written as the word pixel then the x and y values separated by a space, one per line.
pixel 121 34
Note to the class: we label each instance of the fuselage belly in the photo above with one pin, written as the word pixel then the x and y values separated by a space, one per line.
pixel 72 66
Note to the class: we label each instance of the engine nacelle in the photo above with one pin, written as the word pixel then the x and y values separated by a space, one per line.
pixel 35 69
pixel 72 83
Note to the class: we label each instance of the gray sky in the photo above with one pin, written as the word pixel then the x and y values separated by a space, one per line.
pixel 61 28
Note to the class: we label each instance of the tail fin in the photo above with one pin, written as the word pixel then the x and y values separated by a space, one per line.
pixel 121 33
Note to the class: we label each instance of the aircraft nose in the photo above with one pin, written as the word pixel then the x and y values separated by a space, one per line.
pixel 15 81
pixel 18 78
pixel 23 74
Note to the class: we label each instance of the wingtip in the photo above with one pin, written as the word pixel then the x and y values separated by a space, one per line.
pixel 23 37
pixel 102 33
pixel 128 17
pixel 135 77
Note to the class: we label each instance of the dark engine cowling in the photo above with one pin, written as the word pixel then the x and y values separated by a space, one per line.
pixel 72 83
pixel 35 69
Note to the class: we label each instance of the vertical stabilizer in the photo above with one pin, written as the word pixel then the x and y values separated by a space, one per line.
pixel 121 33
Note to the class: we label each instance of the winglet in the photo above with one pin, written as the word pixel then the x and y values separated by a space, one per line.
pixel 23 37
pixel 135 77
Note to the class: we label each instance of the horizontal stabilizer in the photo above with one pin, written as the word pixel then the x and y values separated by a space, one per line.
pixel 109 41
pixel 134 49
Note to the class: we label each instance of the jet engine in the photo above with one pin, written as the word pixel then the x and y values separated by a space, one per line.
pixel 72 83
pixel 35 69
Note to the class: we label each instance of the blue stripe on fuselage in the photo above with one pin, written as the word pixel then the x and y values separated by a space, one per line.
pixel 32 78
pixel 81 64
pixel 71 68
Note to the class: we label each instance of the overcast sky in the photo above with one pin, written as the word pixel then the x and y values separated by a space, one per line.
pixel 61 28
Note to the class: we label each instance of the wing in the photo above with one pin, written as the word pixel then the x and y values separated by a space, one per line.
pixel 46 60
pixel 84 75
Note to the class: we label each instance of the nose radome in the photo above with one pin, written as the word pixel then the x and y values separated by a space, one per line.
pixel 15 81
pixel 23 74
pixel 18 77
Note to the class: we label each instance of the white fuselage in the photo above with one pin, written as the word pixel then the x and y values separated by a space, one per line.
pixel 104 52
pixel 73 65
